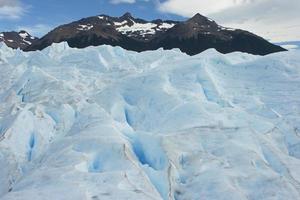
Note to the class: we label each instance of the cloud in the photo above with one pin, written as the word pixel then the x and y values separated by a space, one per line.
pixel 36 30
pixel 122 1
pixel 126 1
pixel 190 7
pixel 11 9
pixel 276 20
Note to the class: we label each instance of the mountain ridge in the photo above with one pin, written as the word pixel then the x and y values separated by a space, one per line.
pixel 13 39
pixel 192 36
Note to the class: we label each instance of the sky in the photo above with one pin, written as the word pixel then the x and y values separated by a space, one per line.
pixel 275 20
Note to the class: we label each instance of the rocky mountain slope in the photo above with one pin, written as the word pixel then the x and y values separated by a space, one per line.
pixel 16 40
pixel 192 36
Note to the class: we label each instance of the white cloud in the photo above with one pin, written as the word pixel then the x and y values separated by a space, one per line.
pixel 122 1
pixel 126 1
pixel 190 7
pixel 37 30
pixel 11 9
pixel 276 20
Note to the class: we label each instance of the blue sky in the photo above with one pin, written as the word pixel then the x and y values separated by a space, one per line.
pixel 40 15
pixel 276 20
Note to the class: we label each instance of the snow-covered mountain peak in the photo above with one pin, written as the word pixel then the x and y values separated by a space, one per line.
pixel 23 34
pixel 141 29
pixel 20 39
pixel 192 36
pixel 138 29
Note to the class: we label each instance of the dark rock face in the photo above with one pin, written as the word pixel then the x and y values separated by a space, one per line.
pixel 16 40
pixel 200 33
pixel 192 36
pixel 125 31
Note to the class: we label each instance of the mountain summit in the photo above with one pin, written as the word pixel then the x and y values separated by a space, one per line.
pixel 127 15
pixel 192 36
pixel 15 40
pixel 198 18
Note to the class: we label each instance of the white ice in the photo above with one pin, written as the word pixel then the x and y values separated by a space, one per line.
pixel 106 123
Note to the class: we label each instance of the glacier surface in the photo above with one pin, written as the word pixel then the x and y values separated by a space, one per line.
pixel 105 123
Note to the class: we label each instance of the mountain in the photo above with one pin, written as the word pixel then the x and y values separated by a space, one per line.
pixel 125 31
pixel 103 123
pixel 16 40
pixel 192 36
pixel 200 33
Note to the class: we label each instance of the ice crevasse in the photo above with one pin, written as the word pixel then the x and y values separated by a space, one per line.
pixel 106 123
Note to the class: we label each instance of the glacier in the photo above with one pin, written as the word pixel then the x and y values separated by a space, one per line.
pixel 106 123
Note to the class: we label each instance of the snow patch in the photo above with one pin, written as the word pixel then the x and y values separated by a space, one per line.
pixel 85 27
pixel 142 28
pixel 120 23
pixel 24 35
pixel 166 26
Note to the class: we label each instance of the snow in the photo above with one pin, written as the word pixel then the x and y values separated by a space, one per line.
pixel 106 123
pixel 226 28
pixel 83 27
pixel 120 23
pixel 166 26
pixel 146 28
pixel 24 35
pixel 27 42
pixel 142 28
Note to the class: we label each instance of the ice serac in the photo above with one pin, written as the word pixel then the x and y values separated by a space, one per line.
pixel 192 36
pixel 106 123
